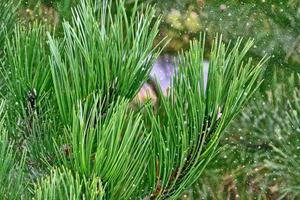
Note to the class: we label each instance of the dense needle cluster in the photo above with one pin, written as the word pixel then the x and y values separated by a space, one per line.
pixel 68 127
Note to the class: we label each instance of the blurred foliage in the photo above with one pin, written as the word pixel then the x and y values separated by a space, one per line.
pixel 273 24
pixel 7 18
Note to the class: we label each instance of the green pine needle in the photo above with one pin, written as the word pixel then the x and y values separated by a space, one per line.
pixel 63 184
pixel 7 19
pixel 69 99
pixel 111 52
pixel 188 123
pixel 11 170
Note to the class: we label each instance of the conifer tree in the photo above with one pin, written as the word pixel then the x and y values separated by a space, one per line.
pixel 68 107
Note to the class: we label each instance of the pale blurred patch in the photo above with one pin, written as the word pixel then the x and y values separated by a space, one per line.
pixel 161 76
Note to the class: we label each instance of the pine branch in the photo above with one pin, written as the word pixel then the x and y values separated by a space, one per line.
pixel 27 75
pixel 190 121
pixel 63 184
pixel 31 115
pixel 101 148
pixel 7 19
pixel 11 170
pixel 113 147
pixel 115 57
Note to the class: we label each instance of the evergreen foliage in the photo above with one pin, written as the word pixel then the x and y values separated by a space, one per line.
pixel 115 58
pixel 62 184
pixel 69 108
pixel 190 120
pixel 11 170
pixel 273 24
pixel 7 17
pixel 261 147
